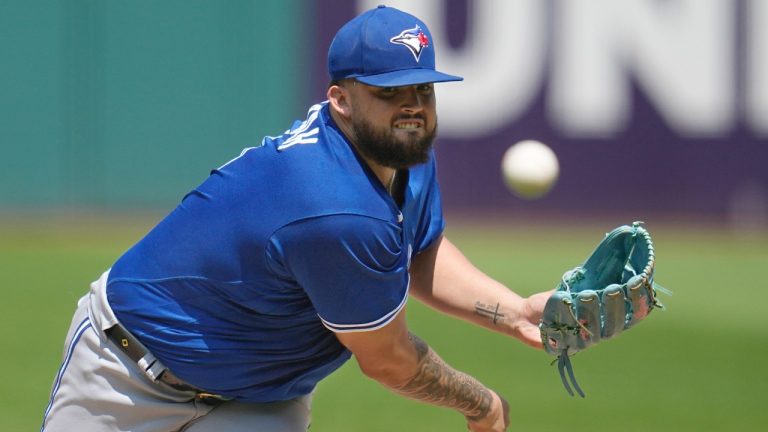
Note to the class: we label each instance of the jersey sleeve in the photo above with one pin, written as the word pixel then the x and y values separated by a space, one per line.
pixel 353 268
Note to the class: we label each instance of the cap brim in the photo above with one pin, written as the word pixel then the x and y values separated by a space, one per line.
pixel 407 77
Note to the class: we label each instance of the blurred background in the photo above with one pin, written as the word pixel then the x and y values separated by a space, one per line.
pixel 110 111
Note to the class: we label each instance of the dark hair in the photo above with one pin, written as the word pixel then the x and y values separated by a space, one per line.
pixel 340 82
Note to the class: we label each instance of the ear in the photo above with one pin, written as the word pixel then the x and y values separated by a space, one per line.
pixel 338 97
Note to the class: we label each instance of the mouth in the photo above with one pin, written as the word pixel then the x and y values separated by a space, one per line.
pixel 409 124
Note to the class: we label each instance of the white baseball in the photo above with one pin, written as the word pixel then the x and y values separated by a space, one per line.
pixel 530 169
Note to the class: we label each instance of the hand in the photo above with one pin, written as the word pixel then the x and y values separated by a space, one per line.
pixel 526 327
pixel 497 419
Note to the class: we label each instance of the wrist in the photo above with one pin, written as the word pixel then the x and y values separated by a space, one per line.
pixel 518 312
pixel 497 415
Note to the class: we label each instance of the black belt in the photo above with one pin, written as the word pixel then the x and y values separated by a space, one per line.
pixel 151 366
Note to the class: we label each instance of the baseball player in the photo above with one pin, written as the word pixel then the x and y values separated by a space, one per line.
pixel 288 260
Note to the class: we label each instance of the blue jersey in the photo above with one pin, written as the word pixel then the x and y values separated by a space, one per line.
pixel 240 289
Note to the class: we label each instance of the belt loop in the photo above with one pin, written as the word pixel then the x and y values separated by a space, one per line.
pixel 151 366
pixel 136 351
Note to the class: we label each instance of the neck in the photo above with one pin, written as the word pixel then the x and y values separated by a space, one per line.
pixel 385 174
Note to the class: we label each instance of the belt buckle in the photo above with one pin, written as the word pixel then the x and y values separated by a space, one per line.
pixel 210 398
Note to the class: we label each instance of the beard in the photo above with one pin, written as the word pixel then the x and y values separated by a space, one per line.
pixel 384 148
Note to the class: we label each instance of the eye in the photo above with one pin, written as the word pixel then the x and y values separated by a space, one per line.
pixel 425 88
pixel 385 92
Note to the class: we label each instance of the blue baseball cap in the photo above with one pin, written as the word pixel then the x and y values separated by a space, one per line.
pixel 385 47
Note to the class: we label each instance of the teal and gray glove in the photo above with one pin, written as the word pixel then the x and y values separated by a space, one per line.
pixel 612 291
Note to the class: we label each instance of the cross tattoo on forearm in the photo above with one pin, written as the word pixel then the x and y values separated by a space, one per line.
pixel 489 311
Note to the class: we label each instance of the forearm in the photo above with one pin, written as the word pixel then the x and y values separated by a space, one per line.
pixel 451 284
pixel 482 302
pixel 437 383
pixel 404 363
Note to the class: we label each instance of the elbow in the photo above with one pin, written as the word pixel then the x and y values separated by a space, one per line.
pixel 382 371
pixel 388 371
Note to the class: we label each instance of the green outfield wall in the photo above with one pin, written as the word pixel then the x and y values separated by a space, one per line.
pixel 114 103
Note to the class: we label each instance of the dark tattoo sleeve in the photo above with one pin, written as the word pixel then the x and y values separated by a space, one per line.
pixel 439 384
pixel 489 311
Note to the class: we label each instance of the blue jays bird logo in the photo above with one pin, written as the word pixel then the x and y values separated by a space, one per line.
pixel 414 39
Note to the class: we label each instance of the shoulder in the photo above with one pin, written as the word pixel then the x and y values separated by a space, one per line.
pixel 352 267
pixel 348 230
pixel 337 241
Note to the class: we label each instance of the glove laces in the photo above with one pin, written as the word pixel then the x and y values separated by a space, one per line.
pixel 563 366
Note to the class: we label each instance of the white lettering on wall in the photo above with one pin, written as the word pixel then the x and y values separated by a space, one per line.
pixel 501 62
pixel 681 54
pixel 756 90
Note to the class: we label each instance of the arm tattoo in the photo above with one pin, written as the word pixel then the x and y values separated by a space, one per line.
pixel 490 312
pixel 437 383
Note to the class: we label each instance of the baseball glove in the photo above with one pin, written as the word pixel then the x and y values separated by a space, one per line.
pixel 612 291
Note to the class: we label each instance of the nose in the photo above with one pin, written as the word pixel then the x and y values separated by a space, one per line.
pixel 411 102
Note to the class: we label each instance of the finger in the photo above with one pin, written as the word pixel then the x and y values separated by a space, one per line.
pixel 615 310
pixel 588 314
pixel 558 319
pixel 640 299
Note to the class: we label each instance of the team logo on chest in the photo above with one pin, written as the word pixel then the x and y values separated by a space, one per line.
pixel 414 39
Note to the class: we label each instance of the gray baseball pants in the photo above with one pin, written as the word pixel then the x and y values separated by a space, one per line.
pixel 99 389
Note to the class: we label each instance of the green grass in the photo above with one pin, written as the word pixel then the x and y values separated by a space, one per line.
pixel 696 367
